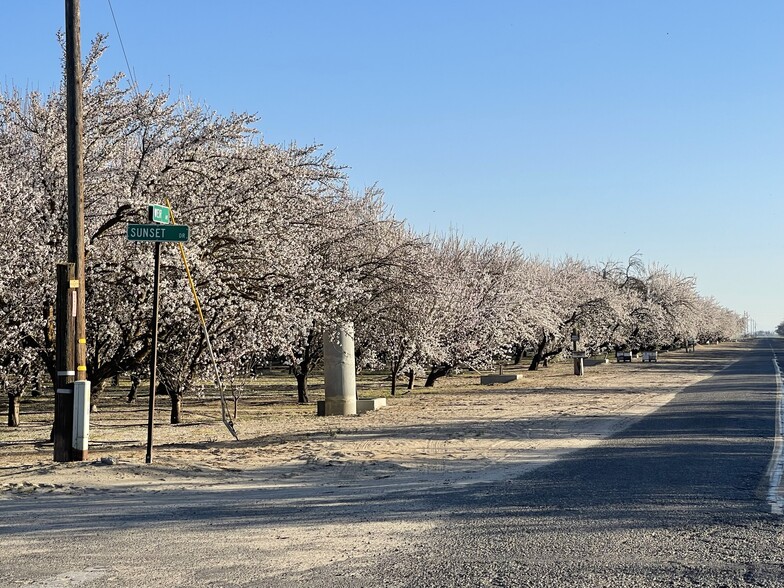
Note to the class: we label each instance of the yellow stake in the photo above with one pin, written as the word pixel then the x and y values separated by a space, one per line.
pixel 224 407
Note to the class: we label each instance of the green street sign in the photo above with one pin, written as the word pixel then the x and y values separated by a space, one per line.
pixel 159 214
pixel 167 233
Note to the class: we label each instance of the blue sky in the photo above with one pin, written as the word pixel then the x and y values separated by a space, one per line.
pixel 590 128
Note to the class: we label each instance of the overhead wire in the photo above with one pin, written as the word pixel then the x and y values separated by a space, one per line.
pixel 131 76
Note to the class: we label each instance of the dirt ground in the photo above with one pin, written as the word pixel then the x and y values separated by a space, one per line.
pixel 458 432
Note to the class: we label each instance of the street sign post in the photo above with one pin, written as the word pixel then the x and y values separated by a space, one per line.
pixel 156 283
pixel 159 233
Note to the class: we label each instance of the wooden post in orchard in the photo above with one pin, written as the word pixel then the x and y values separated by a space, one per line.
pixel 579 367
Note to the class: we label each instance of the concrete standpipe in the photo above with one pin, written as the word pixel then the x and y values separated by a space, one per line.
pixel 340 385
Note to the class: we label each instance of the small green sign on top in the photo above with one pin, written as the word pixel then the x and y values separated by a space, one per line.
pixel 159 214
pixel 165 233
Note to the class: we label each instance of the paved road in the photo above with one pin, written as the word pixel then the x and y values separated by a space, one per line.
pixel 679 499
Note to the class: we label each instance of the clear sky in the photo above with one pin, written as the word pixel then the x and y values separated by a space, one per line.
pixel 591 128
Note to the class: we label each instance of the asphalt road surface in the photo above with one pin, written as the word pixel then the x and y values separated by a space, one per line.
pixel 681 498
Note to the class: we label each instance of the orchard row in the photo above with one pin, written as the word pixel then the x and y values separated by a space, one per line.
pixel 280 247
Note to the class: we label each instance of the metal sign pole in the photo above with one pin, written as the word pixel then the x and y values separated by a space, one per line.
pixel 159 232
pixel 154 354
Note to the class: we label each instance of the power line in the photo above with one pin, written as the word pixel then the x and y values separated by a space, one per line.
pixel 134 84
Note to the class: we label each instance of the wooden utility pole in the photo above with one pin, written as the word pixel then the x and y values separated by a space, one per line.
pixel 75 131
pixel 62 431
pixel 71 342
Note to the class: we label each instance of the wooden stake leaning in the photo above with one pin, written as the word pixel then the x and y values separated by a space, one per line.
pixel 224 406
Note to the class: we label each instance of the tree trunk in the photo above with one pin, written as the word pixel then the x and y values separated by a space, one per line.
pixel 236 394
pixel 411 376
pixel 135 381
pixel 542 356
pixel 176 406
pixel 538 355
pixel 519 353
pixel 13 409
pixel 548 355
pixel 435 373
pixel 395 369
pixel 301 370
pixel 36 386
pixel 302 387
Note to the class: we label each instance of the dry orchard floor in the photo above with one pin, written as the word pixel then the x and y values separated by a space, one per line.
pixel 456 433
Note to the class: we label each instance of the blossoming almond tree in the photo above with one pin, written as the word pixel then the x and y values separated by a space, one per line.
pixel 469 315
pixel 281 247
pixel 572 295
pixel 140 149
pixel 32 243
pixel 389 325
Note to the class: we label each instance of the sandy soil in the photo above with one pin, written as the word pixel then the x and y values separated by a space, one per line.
pixel 458 432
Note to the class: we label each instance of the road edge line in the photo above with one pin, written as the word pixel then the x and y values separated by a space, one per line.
pixel 776 466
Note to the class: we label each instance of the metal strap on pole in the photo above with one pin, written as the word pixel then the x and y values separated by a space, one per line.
pixel 224 406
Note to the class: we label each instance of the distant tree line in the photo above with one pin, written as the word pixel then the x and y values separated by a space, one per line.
pixel 281 246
